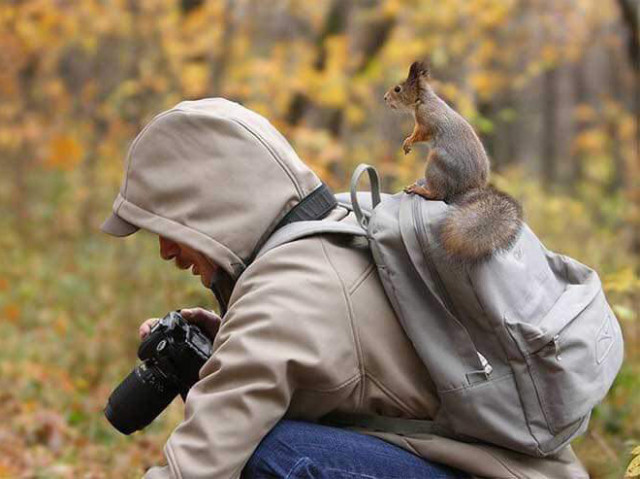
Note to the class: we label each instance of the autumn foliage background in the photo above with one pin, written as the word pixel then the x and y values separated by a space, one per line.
pixel 551 86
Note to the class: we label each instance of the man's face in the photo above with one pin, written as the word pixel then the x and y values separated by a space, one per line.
pixel 187 257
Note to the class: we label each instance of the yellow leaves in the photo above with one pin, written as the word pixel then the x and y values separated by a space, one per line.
pixel 330 85
pixel 392 8
pixel 332 92
pixel 317 148
pixel 486 83
pixel 592 141
pixel 447 15
pixel 585 113
pixel 627 126
pixel 458 45
pixel 40 28
pixel 633 469
pixel 491 14
pixel 487 51
pixel 128 88
pixel 550 55
pixel 259 107
pixel 337 52
pixel 623 281
pixel 449 91
pixel 404 50
pixel 355 114
pixel 466 106
pixel 195 79
pixel 623 313
pixel 65 153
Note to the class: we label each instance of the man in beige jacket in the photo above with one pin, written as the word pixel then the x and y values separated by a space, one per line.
pixel 307 329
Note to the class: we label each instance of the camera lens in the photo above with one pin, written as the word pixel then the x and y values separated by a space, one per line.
pixel 139 398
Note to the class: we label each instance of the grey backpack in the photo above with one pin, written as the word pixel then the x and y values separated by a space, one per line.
pixel 521 346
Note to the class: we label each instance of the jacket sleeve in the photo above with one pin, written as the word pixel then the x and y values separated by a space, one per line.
pixel 264 350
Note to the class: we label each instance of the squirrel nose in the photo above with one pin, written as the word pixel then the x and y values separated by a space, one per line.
pixel 386 95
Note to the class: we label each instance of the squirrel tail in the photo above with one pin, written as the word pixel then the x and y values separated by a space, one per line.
pixel 481 222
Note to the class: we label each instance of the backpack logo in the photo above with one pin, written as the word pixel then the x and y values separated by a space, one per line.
pixel 604 341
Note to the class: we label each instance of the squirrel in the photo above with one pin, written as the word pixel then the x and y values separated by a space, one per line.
pixel 483 220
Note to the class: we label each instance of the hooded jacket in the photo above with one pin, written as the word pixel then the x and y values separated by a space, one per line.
pixel 308 330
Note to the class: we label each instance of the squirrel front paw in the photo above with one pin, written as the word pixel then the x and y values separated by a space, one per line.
pixel 406 145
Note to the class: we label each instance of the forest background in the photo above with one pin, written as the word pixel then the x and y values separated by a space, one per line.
pixel 551 86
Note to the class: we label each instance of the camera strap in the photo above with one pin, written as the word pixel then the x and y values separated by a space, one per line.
pixel 221 287
pixel 315 206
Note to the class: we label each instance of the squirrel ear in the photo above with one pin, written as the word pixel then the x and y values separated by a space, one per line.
pixel 418 69
pixel 414 69
pixel 425 71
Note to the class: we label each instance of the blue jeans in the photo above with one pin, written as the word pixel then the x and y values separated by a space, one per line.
pixel 301 450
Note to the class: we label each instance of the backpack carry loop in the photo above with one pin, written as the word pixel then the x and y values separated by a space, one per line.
pixel 374 180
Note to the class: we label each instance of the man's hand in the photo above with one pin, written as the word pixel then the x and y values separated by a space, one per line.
pixel 207 321
pixel 145 328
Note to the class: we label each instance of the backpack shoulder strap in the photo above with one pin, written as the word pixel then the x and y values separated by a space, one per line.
pixel 302 229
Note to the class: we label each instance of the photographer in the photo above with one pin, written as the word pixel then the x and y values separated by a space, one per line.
pixel 306 329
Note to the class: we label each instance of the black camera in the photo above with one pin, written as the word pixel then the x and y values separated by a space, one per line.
pixel 172 355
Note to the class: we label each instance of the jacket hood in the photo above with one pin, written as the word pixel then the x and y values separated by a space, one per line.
pixel 213 175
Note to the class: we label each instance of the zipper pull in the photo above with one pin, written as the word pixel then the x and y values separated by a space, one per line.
pixel 556 347
pixel 488 369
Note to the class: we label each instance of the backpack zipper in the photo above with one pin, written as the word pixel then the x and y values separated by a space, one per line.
pixel 418 223
pixel 422 235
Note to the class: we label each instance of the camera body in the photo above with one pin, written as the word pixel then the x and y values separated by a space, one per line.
pixel 172 355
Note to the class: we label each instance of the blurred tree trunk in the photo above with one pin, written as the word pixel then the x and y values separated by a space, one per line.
pixel 505 134
pixel 511 155
pixel 335 23
pixel 620 94
pixel 368 39
pixel 187 6
pixel 371 37
pixel 631 17
pixel 581 99
pixel 549 129
pixel 488 109
pixel 23 158
pixel 630 10
pixel 220 60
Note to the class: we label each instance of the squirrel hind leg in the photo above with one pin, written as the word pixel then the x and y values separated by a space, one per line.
pixel 421 190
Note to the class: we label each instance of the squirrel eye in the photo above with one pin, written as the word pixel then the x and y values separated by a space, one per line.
pixel 397 89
